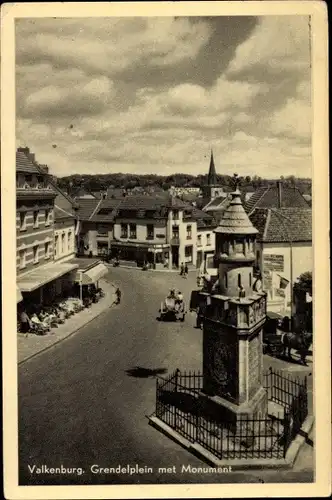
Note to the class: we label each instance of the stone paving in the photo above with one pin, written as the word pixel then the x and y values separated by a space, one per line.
pixel 30 344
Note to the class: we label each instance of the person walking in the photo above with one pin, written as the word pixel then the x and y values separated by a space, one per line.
pixel 182 269
pixel 185 271
pixel 118 295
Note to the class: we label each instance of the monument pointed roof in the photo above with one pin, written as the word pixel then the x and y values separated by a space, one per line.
pixel 212 175
pixel 235 219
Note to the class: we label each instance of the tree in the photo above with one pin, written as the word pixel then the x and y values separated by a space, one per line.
pixel 304 282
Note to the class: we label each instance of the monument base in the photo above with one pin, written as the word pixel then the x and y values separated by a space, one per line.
pixel 226 411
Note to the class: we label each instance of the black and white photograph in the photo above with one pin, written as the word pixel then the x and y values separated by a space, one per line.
pixel 167 249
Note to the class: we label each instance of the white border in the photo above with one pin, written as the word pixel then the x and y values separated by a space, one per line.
pixel 322 378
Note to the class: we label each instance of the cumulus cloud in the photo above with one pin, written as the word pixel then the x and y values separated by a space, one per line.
pixel 110 44
pixel 277 44
pixel 256 113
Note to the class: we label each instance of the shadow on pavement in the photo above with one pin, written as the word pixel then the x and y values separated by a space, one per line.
pixel 140 372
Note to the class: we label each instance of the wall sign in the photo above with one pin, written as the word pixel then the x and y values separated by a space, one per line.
pixel 273 262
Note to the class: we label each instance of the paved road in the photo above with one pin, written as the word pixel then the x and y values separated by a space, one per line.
pixel 79 406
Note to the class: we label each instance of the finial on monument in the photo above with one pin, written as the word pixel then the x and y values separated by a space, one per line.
pixel 235 182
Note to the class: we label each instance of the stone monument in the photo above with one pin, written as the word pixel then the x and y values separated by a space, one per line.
pixel 233 319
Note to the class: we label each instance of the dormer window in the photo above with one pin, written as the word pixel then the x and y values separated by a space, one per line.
pixel 23 221
pixel 35 218
pixel 47 217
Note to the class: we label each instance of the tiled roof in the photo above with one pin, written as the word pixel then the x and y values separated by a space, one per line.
pixel 152 202
pixel 234 219
pixel 217 202
pixel 86 208
pixel 105 211
pixel 203 219
pixel 60 213
pixel 267 197
pixel 24 164
pixel 283 225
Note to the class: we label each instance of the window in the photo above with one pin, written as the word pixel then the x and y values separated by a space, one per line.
pixel 188 253
pixel 23 221
pixel 35 218
pixel 35 254
pixel 70 236
pixel 239 281
pixel 225 280
pixel 124 231
pixel 63 243
pixel 208 239
pixel 132 231
pixel 47 250
pixel 188 232
pixel 56 244
pixel 175 214
pixel 175 232
pixel 28 178
pixel 22 254
pixel 250 279
pixel 47 217
pixel 199 240
pixel 149 232
pixel 102 230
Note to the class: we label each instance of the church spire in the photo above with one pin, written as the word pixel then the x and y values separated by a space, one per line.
pixel 212 175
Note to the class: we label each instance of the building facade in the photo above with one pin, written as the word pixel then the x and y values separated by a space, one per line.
pixel 34 215
pixel 283 252
pixel 38 273
pixel 162 231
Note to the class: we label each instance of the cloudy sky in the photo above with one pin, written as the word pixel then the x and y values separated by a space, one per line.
pixel 156 94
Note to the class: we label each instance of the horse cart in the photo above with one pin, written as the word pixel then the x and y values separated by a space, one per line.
pixel 172 309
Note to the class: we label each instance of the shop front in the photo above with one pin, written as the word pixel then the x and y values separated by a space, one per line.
pixel 43 285
pixel 141 253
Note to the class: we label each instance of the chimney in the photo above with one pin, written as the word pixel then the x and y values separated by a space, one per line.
pixel 26 151
pixel 279 184
pixel 44 168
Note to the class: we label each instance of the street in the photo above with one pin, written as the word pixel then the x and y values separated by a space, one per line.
pixel 80 404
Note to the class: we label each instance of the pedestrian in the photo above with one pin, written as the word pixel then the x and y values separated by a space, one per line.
pixel 182 270
pixel 185 271
pixel 25 322
pixel 118 295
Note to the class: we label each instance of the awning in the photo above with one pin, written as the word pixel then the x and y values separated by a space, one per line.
pixel 43 275
pixel 19 297
pixel 140 246
pixel 91 275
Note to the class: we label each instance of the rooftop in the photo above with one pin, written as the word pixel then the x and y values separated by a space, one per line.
pixel 281 196
pixel 283 224
pixel 86 207
pixel 235 220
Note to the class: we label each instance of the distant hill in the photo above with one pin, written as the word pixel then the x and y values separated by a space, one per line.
pixel 101 182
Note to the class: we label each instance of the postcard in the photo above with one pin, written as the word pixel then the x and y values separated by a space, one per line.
pixel 171 331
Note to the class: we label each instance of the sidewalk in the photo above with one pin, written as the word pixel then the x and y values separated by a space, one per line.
pixel 29 345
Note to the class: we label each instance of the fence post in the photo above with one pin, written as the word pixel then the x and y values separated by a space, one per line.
pixel 286 431
pixel 177 373
pixel 157 397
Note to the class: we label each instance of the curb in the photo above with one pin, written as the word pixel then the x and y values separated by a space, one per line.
pixel 46 348
pixel 241 464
